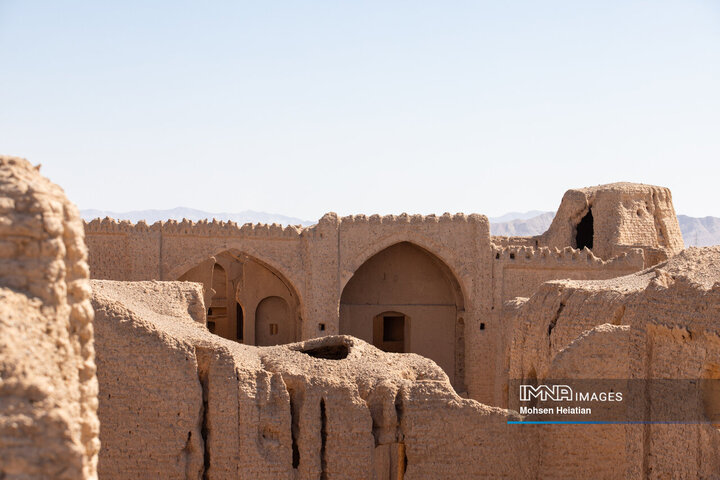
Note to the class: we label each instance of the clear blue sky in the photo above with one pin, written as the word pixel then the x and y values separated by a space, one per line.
pixel 305 107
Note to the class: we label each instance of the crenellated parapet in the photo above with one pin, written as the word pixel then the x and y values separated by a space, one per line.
pixel 502 241
pixel 565 258
pixel 215 228
pixel 202 228
pixel 415 219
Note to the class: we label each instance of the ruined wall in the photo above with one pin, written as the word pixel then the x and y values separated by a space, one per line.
pixel 519 271
pixel 48 388
pixel 330 408
pixel 658 330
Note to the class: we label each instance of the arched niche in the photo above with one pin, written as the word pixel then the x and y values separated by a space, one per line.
pixel 247 283
pixel 274 324
pixel 409 282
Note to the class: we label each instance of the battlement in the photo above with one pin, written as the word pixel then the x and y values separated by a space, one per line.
pixel 415 219
pixel 202 228
pixel 567 257
pixel 215 228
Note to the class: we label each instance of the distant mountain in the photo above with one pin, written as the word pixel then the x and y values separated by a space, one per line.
pixel 698 232
pixel 522 227
pixel 152 216
pixel 508 217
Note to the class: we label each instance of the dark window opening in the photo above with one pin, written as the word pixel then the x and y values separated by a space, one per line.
pixel 209 311
pixel 512 256
pixel 585 233
pixel 389 331
pixel 211 326
pixel 482 326
pixel 321 327
pixel 393 329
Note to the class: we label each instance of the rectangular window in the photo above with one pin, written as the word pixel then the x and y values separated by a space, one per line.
pixel 393 328
pixel 273 329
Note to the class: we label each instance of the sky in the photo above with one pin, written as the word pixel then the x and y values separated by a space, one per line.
pixel 301 108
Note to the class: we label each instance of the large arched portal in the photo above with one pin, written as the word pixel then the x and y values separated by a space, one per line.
pixel 247 301
pixel 405 299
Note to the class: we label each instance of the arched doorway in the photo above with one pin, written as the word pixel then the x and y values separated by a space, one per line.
pixel 406 299
pixel 241 284
pixel 273 323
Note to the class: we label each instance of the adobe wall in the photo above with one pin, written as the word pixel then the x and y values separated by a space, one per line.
pixel 659 324
pixel 332 408
pixel 48 388
pixel 520 271
pixel 316 263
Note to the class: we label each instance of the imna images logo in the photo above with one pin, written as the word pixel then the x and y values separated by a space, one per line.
pixel 564 393
pixel 544 393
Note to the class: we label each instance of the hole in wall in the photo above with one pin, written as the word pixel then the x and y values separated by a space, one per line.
pixel 328 352
pixel 585 232
pixel 321 327
pixel 482 326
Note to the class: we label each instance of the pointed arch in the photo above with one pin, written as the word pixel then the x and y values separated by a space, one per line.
pixel 405 281
pixel 247 283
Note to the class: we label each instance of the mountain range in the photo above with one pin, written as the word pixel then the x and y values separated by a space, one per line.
pixel 696 231
pixel 178 213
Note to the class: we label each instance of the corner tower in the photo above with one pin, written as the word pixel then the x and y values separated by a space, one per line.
pixel 612 219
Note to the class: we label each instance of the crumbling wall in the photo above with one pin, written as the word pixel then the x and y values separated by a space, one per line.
pixel 658 331
pixel 48 389
pixel 571 451
pixel 634 226
pixel 519 271
pixel 330 408
pixel 623 215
